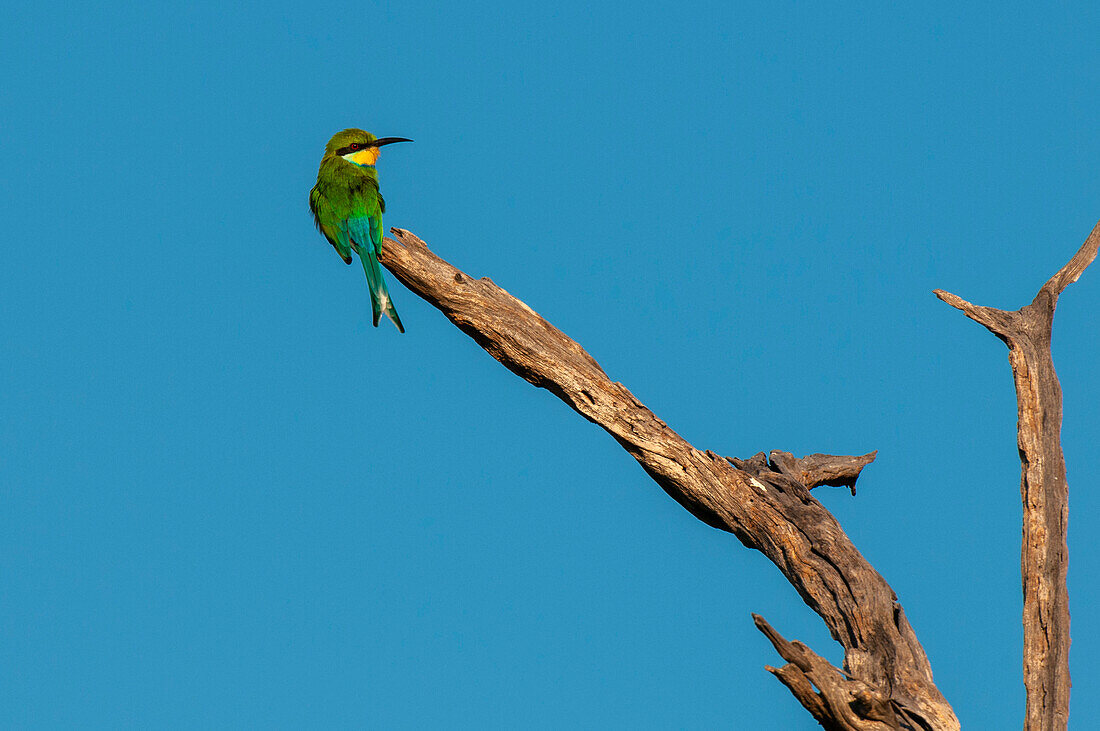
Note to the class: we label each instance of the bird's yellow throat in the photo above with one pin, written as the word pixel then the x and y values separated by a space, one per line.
pixel 369 156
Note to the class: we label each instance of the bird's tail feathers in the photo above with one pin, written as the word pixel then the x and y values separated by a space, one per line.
pixel 379 295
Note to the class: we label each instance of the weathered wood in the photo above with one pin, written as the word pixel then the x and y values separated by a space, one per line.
pixel 839 701
pixel 1043 488
pixel 822 469
pixel 764 508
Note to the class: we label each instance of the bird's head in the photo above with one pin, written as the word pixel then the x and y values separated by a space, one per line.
pixel 357 146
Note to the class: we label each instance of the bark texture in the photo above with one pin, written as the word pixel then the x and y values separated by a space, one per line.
pixel 1043 489
pixel 886 681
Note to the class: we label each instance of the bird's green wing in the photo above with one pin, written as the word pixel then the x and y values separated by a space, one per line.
pixel 376 232
pixel 334 229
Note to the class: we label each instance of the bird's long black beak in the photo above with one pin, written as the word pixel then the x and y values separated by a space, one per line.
pixel 388 141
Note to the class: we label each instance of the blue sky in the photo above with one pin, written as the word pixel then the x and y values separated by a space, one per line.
pixel 226 501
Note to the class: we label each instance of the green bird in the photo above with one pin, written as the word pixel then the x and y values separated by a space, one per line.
pixel 347 208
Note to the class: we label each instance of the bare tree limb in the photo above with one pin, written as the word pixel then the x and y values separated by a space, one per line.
pixel 1073 269
pixel 841 701
pixel 822 469
pixel 766 509
pixel 1043 488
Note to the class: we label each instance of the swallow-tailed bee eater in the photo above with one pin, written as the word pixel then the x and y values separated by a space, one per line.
pixel 347 208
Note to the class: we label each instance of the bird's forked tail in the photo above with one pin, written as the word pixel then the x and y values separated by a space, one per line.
pixel 379 295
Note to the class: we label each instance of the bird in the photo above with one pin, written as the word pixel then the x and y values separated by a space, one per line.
pixel 347 208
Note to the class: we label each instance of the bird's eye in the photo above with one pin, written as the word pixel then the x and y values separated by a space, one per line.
pixel 355 145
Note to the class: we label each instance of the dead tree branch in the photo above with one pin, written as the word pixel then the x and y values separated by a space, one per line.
pixel 861 706
pixel 1043 489
pixel 767 506
pixel 816 470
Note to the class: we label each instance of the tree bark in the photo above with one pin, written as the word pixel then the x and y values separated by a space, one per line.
pixel 886 681
pixel 1043 489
